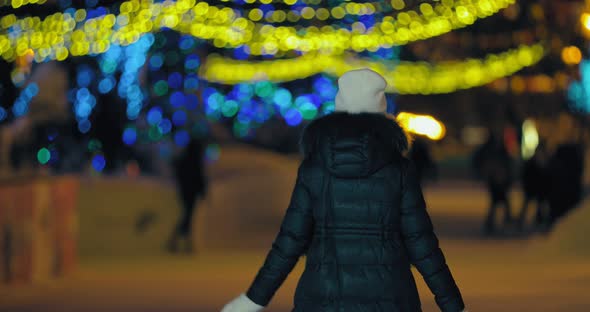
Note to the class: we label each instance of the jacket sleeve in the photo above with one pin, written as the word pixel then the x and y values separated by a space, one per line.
pixel 291 242
pixel 422 244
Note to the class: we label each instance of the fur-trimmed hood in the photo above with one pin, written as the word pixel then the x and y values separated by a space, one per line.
pixel 354 145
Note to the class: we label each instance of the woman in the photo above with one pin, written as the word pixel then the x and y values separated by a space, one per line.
pixel 358 214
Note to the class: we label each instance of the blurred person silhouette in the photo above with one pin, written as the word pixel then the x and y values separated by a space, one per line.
pixel 566 168
pixel 535 185
pixel 422 159
pixel 191 184
pixel 108 126
pixel 47 123
pixel 493 163
pixel 358 213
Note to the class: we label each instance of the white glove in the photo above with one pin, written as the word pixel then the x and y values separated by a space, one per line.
pixel 242 304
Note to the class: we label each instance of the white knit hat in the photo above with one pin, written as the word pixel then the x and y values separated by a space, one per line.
pixel 361 91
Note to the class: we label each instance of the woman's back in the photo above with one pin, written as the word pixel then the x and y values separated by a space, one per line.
pixel 356 257
pixel 366 222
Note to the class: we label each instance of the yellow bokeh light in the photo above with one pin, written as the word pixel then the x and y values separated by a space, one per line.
pixel 255 15
pixel 80 15
pixel 307 13
pixel 338 12
pixel 17 3
pixel 323 14
pixel 426 9
pixel 279 16
pixel 530 139
pixel 585 20
pixel 62 53
pixel 422 125
pixel 398 4
pixel 448 3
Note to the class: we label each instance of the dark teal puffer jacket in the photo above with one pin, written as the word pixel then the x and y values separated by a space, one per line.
pixel 358 214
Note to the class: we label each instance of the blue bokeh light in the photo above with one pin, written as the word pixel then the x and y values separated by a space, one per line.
pixel 98 162
pixel 282 97
pixel 156 61
pixel 31 90
pixel 325 88
pixel 106 84
pixel 191 82
pixel 85 76
pixel 241 53
pixel 175 80
pixel 192 62
pixel 84 125
pixel 177 99
pixel 182 138
pixel 154 116
pixel 293 117
pixel 179 118
pixel 186 42
pixel 20 107
pixel 129 136
pixel 192 101
pixel 165 126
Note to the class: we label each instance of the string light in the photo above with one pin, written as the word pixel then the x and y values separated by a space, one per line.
pixel 63 34
pixel 404 78
pixel 406 27
pixel 532 84
pixel 292 2
pixel 19 3
pixel 322 14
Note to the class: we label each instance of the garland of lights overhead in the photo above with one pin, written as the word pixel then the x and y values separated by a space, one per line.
pixel 403 77
pixel 19 3
pixel 397 4
pixel 60 35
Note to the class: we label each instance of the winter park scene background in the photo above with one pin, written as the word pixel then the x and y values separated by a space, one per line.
pixel 149 149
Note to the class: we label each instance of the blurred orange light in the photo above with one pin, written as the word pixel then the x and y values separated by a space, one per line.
pixel 571 55
pixel 132 169
pixel 518 85
pixel 543 84
pixel 26 59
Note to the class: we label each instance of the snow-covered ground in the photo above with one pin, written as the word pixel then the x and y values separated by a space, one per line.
pixel 124 269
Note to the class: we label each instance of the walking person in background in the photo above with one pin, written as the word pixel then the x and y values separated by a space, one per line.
pixel 535 186
pixel 358 213
pixel 422 159
pixel 493 163
pixel 566 168
pixel 191 184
